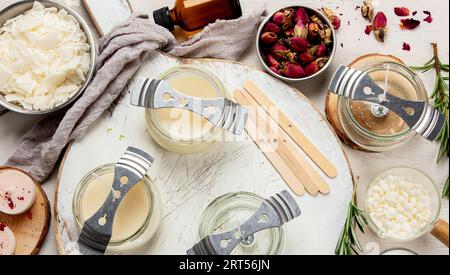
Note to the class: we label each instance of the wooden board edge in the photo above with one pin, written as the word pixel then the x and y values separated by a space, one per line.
pixel 185 60
pixel 48 213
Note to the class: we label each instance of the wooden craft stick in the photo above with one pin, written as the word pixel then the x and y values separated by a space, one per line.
pixel 289 127
pixel 277 162
pixel 285 146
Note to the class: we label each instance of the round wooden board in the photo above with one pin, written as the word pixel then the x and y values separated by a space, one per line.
pixel 188 183
pixel 31 228
pixel 332 99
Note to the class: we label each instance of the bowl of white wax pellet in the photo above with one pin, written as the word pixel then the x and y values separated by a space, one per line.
pixel 402 204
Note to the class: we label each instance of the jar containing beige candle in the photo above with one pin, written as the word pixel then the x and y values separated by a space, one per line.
pixel 180 130
pixel 372 127
pixel 137 218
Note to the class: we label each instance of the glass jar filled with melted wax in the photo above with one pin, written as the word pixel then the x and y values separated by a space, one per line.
pixel 137 218
pixel 373 127
pixel 180 130
pixel 232 210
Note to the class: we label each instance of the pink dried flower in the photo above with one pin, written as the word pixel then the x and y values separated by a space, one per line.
pixel 379 26
pixel 302 15
pixel 294 71
pixel 271 61
pixel 269 38
pixel 335 21
pixel 401 11
pixel 306 58
pixel 428 19
pixel 322 50
pixel 276 70
pixel 299 44
pixel 301 29
pixel 271 27
pixel 311 68
pixel 368 29
pixel 279 51
pixel 279 18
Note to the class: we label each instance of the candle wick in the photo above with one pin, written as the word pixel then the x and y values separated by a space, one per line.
pixel 386 79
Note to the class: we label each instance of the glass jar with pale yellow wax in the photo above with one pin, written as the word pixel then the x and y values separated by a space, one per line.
pixel 179 130
pixel 138 217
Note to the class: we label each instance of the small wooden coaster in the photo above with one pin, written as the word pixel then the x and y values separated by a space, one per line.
pixel 30 228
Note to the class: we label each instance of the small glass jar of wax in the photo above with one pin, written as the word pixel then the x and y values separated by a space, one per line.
pixel 137 218
pixel 372 127
pixel 180 130
pixel 232 210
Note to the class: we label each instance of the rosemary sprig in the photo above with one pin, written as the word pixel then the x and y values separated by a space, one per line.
pixel 439 96
pixel 348 243
pixel 445 191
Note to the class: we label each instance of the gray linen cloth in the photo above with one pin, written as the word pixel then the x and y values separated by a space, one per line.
pixel 122 52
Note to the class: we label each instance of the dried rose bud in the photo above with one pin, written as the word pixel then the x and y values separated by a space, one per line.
pixel 367 10
pixel 279 51
pixel 299 44
pixel 379 26
pixel 368 29
pixel 271 27
pixel 321 61
pixel 272 62
pixel 322 50
pixel 311 68
pixel 306 58
pixel 334 19
pixel 279 18
pixel 294 71
pixel 292 57
pixel 409 24
pixel 302 15
pixel 313 31
pixel 301 30
pixel 326 35
pixel 289 15
pixel 316 19
pixel 401 11
pixel 269 38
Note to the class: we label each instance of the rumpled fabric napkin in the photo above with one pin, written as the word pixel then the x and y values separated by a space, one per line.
pixel 122 52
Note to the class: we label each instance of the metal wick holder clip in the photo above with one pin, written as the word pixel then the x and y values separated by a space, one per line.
pixel 421 117
pixel 221 112
pixel 273 212
pixel 97 230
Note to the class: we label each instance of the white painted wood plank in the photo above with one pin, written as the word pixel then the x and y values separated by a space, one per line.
pixel 107 13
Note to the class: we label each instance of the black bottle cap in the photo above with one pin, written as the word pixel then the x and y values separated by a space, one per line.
pixel 162 18
pixel 236 7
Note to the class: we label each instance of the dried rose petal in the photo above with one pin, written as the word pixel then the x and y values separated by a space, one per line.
pixel 401 11
pixel 269 38
pixel 368 29
pixel 294 71
pixel 409 24
pixel 2 226
pixel 334 19
pixel 271 27
pixel 414 13
pixel 428 19
pixel 406 46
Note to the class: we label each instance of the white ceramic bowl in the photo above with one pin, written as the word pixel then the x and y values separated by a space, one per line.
pixel 263 62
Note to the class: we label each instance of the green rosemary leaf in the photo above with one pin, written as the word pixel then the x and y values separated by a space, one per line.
pixel 445 191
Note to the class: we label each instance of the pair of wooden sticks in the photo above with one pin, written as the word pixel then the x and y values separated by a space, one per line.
pixel 279 139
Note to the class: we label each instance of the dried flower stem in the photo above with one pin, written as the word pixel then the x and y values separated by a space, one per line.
pixel 348 243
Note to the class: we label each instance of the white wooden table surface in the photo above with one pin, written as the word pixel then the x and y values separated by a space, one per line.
pixel 418 153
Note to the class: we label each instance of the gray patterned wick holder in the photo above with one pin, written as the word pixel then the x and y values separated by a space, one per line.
pixel 273 212
pixel 97 230
pixel 421 117
pixel 221 112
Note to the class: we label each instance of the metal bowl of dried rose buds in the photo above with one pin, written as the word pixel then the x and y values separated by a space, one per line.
pixel 296 43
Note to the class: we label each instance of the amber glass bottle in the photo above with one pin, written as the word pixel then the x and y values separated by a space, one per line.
pixel 193 15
